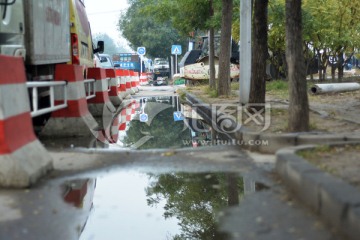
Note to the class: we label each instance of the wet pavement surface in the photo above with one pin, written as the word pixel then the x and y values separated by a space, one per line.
pixel 156 189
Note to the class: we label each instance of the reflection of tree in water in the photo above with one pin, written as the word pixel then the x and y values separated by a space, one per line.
pixel 194 199
pixel 162 131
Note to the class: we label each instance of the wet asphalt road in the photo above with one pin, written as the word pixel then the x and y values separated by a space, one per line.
pixel 213 192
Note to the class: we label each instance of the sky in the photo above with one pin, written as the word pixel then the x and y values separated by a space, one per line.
pixel 103 16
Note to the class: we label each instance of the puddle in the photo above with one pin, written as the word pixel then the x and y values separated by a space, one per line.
pixel 133 205
pixel 148 123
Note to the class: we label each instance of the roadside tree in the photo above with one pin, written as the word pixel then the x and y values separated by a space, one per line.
pixel 225 48
pixel 142 29
pixel 259 52
pixel 298 98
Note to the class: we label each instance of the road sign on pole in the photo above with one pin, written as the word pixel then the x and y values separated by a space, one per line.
pixel 141 51
pixel 176 49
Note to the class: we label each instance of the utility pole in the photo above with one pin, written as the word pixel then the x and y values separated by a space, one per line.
pixel 245 50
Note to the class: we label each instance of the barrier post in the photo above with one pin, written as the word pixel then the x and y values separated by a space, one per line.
pixel 114 94
pixel 134 79
pixel 101 103
pixel 129 89
pixel 122 88
pixel 75 120
pixel 23 159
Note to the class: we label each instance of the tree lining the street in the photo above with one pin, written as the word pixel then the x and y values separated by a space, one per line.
pixel 298 98
pixel 329 28
pixel 225 49
pixel 142 29
pixel 259 52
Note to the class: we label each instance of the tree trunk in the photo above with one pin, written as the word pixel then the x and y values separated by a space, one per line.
pixel 340 66
pixel 224 58
pixel 298 98
pixel 212 80
pixel 259 52
pixel 333 70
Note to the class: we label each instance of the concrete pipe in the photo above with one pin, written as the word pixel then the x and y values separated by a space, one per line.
pixel 334 87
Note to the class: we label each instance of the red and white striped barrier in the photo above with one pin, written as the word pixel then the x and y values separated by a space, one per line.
pixel 137 80
pixel 75 120
pixel 143 79
pixel 114 93
pixel 23 159
pixel 134 80
pixel 122 88
pixel 101 104
pixel 128 76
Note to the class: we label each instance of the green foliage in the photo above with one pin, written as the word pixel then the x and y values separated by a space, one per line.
pixel 277 85
pixel 330 27
pixel 194 199
pixel 235 86
pixel 211 92
pixel 140 28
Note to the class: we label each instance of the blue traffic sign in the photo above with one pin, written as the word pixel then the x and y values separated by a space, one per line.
pixel 178 116
pixel 144 117
pixel 176 49
pixel 141 50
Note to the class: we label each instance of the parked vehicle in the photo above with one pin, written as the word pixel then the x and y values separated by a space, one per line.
pixel 46 33
pixel 194 65
pixel 160 81
pixel 161 68
pixel 105 61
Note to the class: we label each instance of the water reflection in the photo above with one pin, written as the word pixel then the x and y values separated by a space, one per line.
pixel 145 123
pixel 165 206
pixel 195 200
pixel 160 122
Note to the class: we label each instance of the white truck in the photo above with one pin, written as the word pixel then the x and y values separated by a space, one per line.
pixel 46 33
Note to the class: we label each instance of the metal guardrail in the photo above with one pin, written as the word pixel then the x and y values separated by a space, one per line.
pixel 34 87
pixel 89 88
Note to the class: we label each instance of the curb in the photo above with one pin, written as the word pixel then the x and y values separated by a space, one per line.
pixel 334 200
